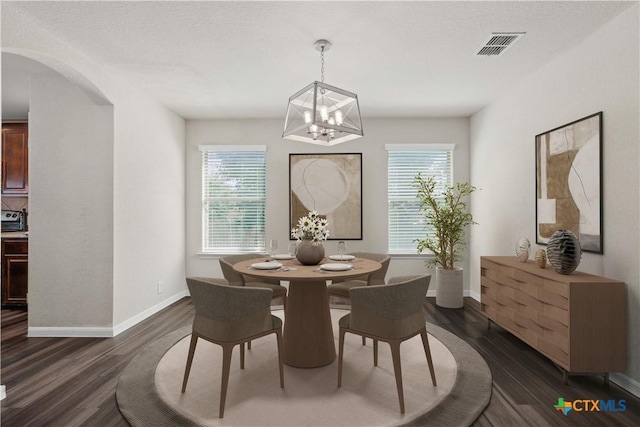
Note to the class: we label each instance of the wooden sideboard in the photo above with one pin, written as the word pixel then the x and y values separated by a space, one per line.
pixel 577 320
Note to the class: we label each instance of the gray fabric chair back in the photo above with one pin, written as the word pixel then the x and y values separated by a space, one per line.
pixel 393 310
pixel 236 279
pixel 229 313
pixel 375 278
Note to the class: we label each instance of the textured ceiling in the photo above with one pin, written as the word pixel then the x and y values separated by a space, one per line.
pixel 244 59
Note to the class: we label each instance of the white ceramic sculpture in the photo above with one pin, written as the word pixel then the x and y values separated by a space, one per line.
pixel 522 249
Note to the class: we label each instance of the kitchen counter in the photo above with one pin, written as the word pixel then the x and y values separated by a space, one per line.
pixel 14 235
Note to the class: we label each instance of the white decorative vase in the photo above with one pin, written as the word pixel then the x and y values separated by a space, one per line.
pixel 449 288
pixel 522 249
pixel 308 254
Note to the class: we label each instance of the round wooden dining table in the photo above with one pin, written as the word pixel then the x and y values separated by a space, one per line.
pixel 308 340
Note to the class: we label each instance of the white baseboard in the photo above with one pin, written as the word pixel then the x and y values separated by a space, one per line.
pixel 102 332
pixel 118 329
pixel 67 331
pixel 474 295
pixel 629 384
pixel 3 392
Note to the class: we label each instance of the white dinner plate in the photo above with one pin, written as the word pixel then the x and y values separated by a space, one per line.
pixel 282 256
pixel 266 265
pixel 341 257
pixel 335 267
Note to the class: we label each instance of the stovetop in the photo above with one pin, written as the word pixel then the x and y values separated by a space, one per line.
pixel 11 215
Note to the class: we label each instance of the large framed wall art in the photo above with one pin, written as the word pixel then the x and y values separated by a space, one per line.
pixel 569 182
pixel 330 184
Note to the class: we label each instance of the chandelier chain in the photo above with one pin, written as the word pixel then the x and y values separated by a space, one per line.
pixel 322 65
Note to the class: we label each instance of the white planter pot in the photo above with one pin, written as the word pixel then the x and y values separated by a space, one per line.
pixel 449 288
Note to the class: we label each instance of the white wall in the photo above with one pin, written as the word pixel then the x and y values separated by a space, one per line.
pixel 378 132
pixel 600 74
pixel 149 208
pixel 70 206
pixel 145 194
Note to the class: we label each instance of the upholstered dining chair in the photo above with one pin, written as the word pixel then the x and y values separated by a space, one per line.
pixel 340 289
pixel 228 316
pixel 391 313
pixel 236 279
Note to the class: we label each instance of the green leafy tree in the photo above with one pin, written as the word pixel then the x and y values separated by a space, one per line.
pixel 445 209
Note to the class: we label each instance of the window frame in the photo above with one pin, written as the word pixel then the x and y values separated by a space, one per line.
pixel 411 148
pixel 206 199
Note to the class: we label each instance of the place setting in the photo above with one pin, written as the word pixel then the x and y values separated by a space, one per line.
pixel 340 256
pixel 272 263
pixel 329 267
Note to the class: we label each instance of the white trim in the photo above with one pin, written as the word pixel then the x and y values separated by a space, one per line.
pixel 627 383
pixel 64 332
pixel 232 148
pixel 474 295
pixel 419 147
pixel 204 255
pixel 118 329
pixel 102 332
pixel 3 392
pixel 412 255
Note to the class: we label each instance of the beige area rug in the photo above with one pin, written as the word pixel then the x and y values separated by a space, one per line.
pixel 148 392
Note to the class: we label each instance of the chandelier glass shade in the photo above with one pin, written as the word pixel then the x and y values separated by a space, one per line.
pixel 323 114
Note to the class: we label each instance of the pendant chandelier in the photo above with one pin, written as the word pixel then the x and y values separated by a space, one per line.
pixel 323 114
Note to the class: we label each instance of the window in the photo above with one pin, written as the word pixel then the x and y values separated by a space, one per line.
pixel 233 198
pixel 406 222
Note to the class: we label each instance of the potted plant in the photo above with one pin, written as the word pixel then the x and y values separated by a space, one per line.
pixel 445 209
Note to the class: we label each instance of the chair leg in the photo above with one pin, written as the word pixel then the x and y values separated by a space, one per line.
pixel 227 350
pixel 427 351
pixel 187 369
pixel 397 368
pixel 279 339
pixel 242 354
pixel 340 353
pixel 375 352
pixel 249 345
pixel 364 341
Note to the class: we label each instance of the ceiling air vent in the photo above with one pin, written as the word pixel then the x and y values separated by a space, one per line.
pixel 498 43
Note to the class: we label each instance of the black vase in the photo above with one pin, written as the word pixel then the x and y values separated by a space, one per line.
pixel 564 251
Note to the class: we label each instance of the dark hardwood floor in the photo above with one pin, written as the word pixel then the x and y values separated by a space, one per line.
pixel 71 381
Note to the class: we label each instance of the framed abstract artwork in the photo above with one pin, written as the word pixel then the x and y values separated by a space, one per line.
pixel 569 182
pixel 330 184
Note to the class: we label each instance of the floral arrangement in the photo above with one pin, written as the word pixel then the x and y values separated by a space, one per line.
pixel 311 227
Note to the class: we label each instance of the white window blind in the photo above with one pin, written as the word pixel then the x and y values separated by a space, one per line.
pixel 406 222
pixel 233 199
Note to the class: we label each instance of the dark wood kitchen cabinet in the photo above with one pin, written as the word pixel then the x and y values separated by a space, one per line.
pixel 15 159
pixel 15 260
